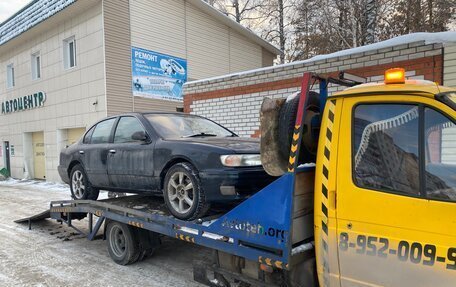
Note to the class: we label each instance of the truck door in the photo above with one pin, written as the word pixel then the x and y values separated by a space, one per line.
pixel 396 199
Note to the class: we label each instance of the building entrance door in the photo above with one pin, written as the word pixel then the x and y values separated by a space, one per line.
pixel 38 155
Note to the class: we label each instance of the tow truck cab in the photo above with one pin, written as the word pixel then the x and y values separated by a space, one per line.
pixel 385 186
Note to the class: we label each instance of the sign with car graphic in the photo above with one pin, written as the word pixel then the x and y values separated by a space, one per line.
pixel 157 75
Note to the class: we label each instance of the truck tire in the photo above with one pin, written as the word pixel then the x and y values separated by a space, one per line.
pixel 80 186
pixel 287 121
pixel 123 244
pixel 148 242
pixel 183 193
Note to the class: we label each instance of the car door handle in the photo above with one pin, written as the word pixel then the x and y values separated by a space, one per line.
pixel 81 152
pixel 112 151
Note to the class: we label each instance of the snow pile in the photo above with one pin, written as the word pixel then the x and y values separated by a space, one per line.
pixel 428 38
pixel 35 185
pixel 30 16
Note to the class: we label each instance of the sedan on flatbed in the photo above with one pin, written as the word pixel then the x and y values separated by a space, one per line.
pixel 191 160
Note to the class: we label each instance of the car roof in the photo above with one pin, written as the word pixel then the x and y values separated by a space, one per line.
pixel 151 113
pixel 421 87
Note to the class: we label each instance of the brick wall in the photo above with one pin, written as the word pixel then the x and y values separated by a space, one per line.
pixel 234 100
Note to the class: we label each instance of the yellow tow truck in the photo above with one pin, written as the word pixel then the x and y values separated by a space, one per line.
pixel 385 182
pixel 387 209
pixel 377 209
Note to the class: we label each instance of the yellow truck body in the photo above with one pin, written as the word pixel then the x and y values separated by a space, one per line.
pixel 385 200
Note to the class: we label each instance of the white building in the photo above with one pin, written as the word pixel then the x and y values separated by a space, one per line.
pixel 65 64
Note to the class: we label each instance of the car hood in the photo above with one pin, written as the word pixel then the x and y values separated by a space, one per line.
pixel 236 144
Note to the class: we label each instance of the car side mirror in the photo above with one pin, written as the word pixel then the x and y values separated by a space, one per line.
pixel 139 136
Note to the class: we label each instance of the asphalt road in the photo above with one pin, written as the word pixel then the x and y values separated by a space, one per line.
pixel 54 255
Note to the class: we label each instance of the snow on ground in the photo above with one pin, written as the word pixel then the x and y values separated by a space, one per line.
pixel 54 255
pixel 428 38
pixel 35 184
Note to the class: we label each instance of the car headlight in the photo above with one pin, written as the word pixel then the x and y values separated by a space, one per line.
pixel 234 160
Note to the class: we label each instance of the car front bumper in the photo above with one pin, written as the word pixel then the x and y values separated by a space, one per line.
pixel 234 183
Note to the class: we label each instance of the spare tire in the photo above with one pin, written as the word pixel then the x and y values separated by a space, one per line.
pixel 287 121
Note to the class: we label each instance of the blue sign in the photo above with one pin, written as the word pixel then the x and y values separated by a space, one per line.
pixel 156 75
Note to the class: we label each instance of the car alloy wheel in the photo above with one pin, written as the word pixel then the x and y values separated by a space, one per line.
pixel 78 185
pixel 181 193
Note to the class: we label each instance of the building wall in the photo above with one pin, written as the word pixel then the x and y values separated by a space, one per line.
pixel 449 66
pixel 178 28
pixel 234 100
pixel 70 94
pixel 119 97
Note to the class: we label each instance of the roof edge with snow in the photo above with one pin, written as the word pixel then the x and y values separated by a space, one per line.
pixel 29 16
pixel 426 38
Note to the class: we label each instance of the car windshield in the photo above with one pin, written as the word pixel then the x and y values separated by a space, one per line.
pixel 182 126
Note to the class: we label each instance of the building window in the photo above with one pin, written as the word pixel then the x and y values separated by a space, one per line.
pixel 36 66
pixel 69 53
pixel 10 76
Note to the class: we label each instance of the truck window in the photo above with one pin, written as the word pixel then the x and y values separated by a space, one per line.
pixel 386 148
pixel 440 147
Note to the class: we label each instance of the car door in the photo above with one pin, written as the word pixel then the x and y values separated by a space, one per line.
pixel 93 152
pixel 130 161
pixel 396 193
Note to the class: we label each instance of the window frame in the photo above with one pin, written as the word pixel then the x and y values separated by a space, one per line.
pixel 36 68
pixel 10 81
pixel 421 147
pixel 117 124
pixel 67 55
pixel 88 133
pixel 111 133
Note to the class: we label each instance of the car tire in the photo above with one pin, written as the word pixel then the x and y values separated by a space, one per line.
pixel 287 121
pixel 183 193
pixel 80 186
pixel 122 242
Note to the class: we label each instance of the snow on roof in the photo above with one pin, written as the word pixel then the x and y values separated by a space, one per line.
pixel 31 15
pixel 428 38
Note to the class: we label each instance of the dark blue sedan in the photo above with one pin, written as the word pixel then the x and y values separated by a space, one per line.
pixel 189 159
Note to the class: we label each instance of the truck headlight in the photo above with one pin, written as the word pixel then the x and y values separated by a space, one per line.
pixel 234 160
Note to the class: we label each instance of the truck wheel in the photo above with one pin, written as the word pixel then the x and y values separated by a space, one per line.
pixel 148 242
pixel 287 120
pixel 183 193
pixel 80 186
pixel 123 245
